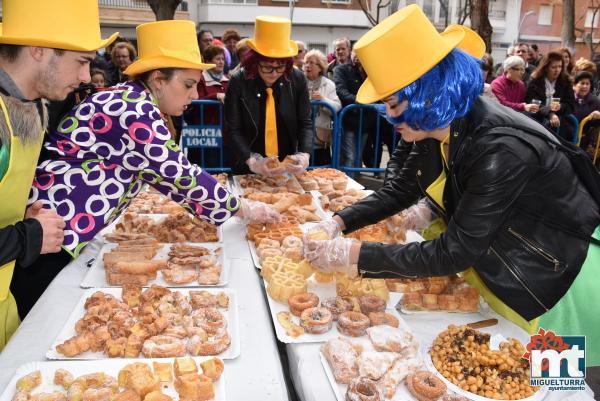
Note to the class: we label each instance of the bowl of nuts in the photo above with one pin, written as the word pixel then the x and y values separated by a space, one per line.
pixel 464 359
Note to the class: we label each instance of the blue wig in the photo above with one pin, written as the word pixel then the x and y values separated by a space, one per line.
pixel 442 94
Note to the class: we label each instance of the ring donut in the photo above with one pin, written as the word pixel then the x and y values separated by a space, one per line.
pixel 337 306
pixel 316 320
pixel 163 346
pixel 212 346
pixel 302 301
pixel 377 318
pixel 353 324
pixel 425 386
pixel 362 389
pixel 371 303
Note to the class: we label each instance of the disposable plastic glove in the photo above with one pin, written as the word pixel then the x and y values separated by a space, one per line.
pixel 326 229
pixel 267 166
pixel 417 217
pixel 299 163
pixel 333 255
pixel 258 212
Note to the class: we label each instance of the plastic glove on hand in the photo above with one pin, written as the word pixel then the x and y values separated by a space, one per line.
pixel 324 230
pixel 297 164
pixel 417 217
pixel 258 212
pixel 267 166
pixel 330 256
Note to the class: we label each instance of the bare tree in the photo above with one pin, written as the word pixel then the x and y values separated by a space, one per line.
pixel 373 14
pixel 463 11
pixel 480 21
pixel 164 9
pixel 587 34
pixel 568 24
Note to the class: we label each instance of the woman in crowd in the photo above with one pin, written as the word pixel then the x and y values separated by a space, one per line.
pixel 212 86
pixel 241 48
pixel 567 61
pixel 586 106
pixel 552 89
pixel 267 112
pixel 584 64
pixel 122 55
pixel 509 87
pixel 323 89
pixel 111 144
pixel 98 78
pixel 514 207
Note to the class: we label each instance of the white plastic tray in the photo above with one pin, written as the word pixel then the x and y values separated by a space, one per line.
pixel 96 276
pixel 323 291
pixel 68 331
pixel 108 366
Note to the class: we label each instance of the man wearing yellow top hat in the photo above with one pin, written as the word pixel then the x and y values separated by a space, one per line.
pixel 267 111
pixel 111 144
pixel 45 51
pixel 514 207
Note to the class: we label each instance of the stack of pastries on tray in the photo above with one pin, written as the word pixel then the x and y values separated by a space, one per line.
pixel 179 227
pixel 155 322
pixel 137 381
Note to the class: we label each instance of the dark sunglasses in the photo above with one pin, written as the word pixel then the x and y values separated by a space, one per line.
pixel 267 69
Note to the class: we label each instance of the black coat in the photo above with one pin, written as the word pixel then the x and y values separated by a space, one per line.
pixel 536 89
pixel 515 210
pixel 244 116
pixel 348 80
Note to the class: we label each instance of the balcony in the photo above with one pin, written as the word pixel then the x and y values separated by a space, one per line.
pixel 130 13
pixel 135 4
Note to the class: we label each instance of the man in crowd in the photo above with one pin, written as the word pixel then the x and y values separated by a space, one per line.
pixel 41 57
pixel 534 55
pixel 342 48
pixel 522 50
pixel 299 58
pixel 205 39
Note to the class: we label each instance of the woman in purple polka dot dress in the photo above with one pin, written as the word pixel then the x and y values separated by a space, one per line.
pixel 114 142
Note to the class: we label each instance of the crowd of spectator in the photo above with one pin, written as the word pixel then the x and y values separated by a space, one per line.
pixel 546 87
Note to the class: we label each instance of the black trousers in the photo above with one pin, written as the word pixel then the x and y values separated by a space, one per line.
pixel 29 283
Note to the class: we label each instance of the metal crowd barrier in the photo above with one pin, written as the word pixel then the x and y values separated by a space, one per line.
pixel 209 137
pixel 206 137
pixel 359 142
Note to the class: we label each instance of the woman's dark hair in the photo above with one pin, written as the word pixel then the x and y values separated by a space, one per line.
pixel 542 69
pixel 211 52
pixel 583 75
pixel 144 77
pixel 251 59
pixel 96 71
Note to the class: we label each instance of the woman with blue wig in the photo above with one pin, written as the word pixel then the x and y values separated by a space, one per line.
pixel 519 223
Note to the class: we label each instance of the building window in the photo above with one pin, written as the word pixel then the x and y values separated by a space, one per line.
pixel 322 47
pixel 545 15
pixel 337 1
pixel 252 2
pixel 589 16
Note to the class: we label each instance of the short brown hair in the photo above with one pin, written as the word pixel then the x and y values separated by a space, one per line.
pixel 124 45
pixel 584 64
pixel 231 34
pixel 211 52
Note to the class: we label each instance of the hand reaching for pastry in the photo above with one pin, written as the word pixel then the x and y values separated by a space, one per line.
pixel 417 217
pixel 336 255
pixel 324 230
pixel 267 166
pixel 298 163
pixel 258 212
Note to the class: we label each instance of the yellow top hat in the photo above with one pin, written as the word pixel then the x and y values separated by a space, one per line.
pixel 272 37
pixel 399 50
pixel 167 44
pixel 59 24
pixel 472 43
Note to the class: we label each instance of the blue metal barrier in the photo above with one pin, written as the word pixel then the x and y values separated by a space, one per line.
pixel 359 143
pixel 206 137
pixel 315 105
pixel 573 120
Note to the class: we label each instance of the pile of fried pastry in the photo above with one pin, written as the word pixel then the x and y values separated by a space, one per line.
pixel 138 381
pixel 155 322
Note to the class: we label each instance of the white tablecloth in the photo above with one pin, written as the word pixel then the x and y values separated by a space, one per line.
pixel 312 385
pixel 256 375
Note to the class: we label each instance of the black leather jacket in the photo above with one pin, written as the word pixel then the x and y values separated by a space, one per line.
pixel 515 210
pixel 245 121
